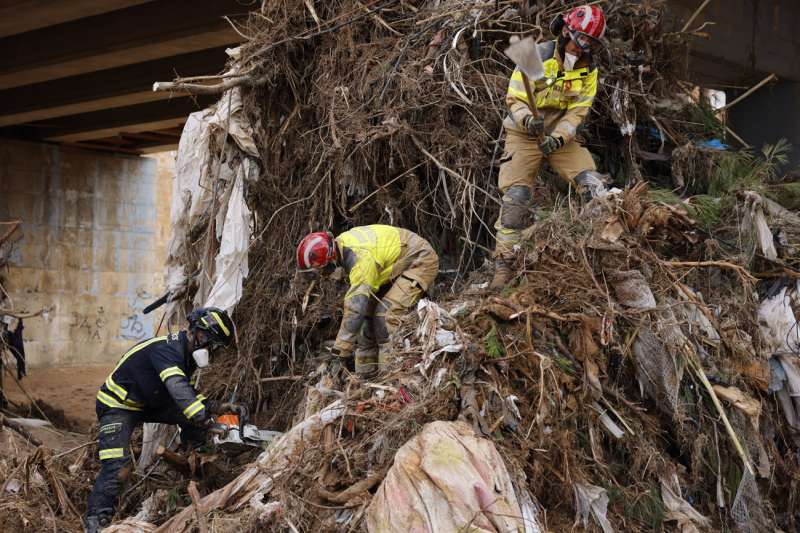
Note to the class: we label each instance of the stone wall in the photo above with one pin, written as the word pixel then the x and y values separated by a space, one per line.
pixel 94 228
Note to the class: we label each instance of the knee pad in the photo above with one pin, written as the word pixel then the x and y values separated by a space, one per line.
pixel 517 209
pixel 590 183
pixel 381 327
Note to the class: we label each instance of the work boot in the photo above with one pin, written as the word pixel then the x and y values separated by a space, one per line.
pixel 95 524
pixel 502 275
pixel 366 362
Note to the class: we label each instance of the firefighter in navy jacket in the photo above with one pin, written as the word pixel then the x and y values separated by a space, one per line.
pixel 154 382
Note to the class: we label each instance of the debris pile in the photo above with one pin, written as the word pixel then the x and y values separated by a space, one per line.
pixel 624 383
pixel 641 373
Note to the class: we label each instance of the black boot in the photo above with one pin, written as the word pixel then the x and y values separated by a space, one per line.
pixel 95 524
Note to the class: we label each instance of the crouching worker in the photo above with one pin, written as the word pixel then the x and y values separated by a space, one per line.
pixel 154 382
pixel 388 269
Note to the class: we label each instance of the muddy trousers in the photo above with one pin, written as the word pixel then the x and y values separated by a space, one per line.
pixel 519 167
pixel 114 435
pixel 387 309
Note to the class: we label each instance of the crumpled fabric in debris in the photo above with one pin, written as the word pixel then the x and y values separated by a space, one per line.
pixel 757 221
pixel 200 177
pixel 678 509
pixel 781 334
pixel 591 500
pixel 231 262
pixel 446 479
pixel 437 333
pixel 778 325
pixel 632 290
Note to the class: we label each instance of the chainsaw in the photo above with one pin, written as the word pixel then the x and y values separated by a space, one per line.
pixel 239 433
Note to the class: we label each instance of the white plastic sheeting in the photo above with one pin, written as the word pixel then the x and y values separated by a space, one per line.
pixel 781 333
pixel 591 500
pixel 212 180
pixel 231 262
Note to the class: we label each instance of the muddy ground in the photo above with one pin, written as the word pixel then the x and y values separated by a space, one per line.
pixel 70 389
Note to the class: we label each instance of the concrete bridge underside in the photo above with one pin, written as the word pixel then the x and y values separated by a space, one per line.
pixel 80 72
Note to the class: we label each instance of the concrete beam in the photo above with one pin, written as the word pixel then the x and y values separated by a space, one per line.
pixel 146 32
pixel 108 123
pixel 103 89
pixel 19 16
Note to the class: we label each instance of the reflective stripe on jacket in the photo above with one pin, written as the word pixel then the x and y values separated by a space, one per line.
pixel 152 373
pixel 562 98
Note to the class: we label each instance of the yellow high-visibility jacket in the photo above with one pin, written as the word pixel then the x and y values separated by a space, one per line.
pixel 374 250
pixel 562 98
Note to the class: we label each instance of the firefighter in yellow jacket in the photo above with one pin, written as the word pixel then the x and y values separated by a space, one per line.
pixel 388 269
pixel 563 98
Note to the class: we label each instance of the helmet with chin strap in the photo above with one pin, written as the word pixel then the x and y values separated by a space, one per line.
pixel 215 323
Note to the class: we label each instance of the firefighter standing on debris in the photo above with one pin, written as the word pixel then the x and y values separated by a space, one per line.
pixel 154 382
pixel 388 269
pixel 563 98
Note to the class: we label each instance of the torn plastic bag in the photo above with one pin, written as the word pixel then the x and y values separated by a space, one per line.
pixel 591 500
pixel 437 333
pixel 447 480
pixel 678 509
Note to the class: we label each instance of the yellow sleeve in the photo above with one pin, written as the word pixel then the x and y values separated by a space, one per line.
pixel 517 99
pixel 577 110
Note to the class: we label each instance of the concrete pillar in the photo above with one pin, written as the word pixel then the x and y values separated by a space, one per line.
pixel 93 247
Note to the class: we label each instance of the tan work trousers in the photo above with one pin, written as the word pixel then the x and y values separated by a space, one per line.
pixel 519 166
pixel 418 270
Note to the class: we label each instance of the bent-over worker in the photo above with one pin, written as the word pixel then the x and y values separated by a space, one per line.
pixel 154 382
pixel 388 269
pixel 563 99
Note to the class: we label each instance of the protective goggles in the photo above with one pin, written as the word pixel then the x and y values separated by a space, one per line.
pixel 583 41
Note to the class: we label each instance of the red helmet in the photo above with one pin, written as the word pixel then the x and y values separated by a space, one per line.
pixel 586 25
pixel 316 250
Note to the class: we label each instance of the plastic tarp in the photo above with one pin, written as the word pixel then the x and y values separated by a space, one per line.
pixel 202 174
pixel 231 261
pixel 447 480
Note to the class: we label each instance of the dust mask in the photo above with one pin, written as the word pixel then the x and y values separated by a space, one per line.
pixel 569 61
pixel 200 357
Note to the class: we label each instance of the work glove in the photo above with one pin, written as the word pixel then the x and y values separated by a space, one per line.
pixel 551 144
pixel 217 429
pixel 535 126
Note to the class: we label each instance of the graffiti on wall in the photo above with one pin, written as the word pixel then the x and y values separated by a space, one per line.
pixel 90 324
pixel 132 328
pixel 136 325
